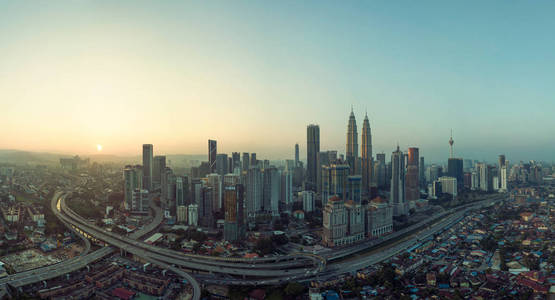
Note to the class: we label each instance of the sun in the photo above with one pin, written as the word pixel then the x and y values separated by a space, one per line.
pixel 98 147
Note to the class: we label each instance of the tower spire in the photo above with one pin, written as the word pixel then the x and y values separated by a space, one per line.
pixel 451 142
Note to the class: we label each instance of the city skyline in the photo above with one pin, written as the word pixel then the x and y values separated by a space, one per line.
pixel 100 84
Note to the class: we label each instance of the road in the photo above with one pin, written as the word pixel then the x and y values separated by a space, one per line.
pixel 333 270
pixel 261 267
pixel 266 271
pixel 73 264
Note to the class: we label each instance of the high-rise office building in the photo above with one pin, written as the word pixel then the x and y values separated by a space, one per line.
pixel 230 221
pixel 334 222
pixel 241 224
pixel 233 222
pixel 272 191
pixel 296 154
pixel 503 179
pixel 212 152
pixel 312 149
pixel 195 193
pixel 412 183
pixel 140 201
pixel 351 153
pixel 421 170
pixel 455 169
pixel 133 179
pixel 397 195
pixel 246 161
pixel 205 213
pixel 181 214
pixel 433 172
pixel 501 160
pixel 381 166
pixel 231 179
pixel 158 169
pixel 503 182
pixel 322 159
pixel 221 164
pixel 354 183
pixel 192 213
pixel 254 192
pixel 449 185
pixel 334 181
pixel 179 191
pixel 165 184
pixel 215 182
pixel 286 189
pixel 147 166
pixel 308 201
pixel 254 161
pixel 379 218
pixel 367 163
pixel 485 176
pixel 236 162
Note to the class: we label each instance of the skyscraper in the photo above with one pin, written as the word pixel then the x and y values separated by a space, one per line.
pixel 215 182
pixel 353 188
pixel 381 178
pixel 158 169
pixel 351 152
pixel 334 182
pixel 222 164
pixel 254 192
pixel 412 183
pixel 179 191
pixel 254 161
pixel 236 162
pixel 133 176
pixel 312 149
pixel 246 161
pixel 212 152
pixel 272 191
pixel 165 184
pixel 501 160
pixel 230 221
pixel 397 195
pixel 205 213
pixel 286 189
pixel 322 159
pixel 455 169
pixel 296 154
pixel 421 176
pixel 147 166
pixel 485 176
pixel 367 163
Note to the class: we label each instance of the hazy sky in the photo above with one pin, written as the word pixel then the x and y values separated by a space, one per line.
pixel 253 74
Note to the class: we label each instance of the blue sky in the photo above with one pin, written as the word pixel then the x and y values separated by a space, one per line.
pixel 253 74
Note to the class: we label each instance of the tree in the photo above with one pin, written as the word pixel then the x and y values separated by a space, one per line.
pixel 264 246
pixel 294 289
pixel 280 239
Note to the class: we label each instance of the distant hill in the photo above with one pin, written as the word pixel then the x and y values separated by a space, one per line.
pixel 27 157
pixel 19 157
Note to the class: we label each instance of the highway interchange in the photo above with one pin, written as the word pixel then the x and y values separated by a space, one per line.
pixel 300 267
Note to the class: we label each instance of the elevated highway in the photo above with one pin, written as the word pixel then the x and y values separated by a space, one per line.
pixel 257 267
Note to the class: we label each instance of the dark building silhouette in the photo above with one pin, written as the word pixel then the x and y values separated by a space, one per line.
pixel 212 152
pixel 312 149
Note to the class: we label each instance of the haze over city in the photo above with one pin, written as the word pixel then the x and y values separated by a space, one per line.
pixel 77 74
pixel 315 150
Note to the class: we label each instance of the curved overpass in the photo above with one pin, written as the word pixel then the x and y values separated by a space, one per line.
pixel 257 267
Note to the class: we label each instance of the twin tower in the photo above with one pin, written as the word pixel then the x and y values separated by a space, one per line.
pixel 360 165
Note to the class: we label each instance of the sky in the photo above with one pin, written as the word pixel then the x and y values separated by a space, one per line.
pixel 254 74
